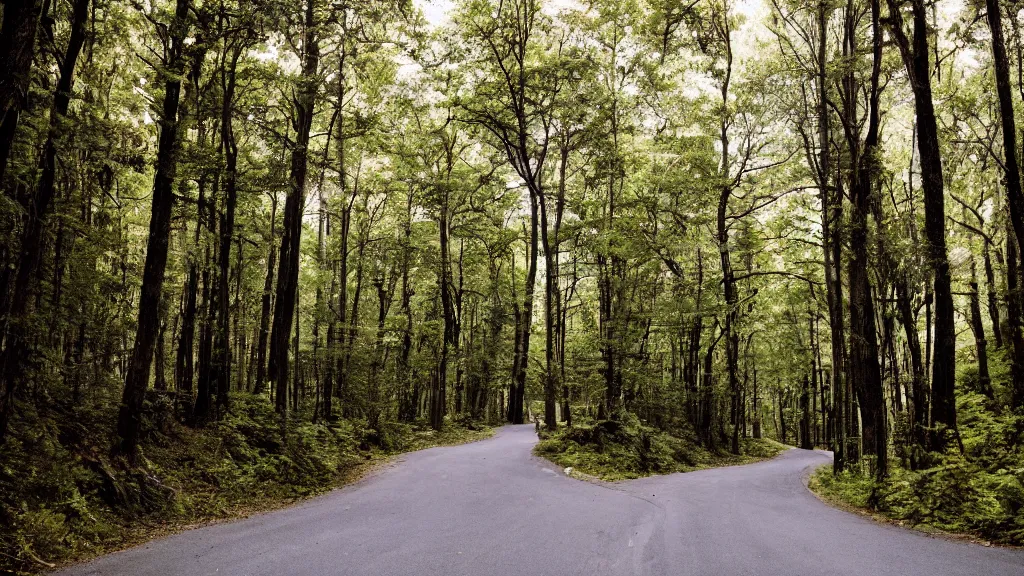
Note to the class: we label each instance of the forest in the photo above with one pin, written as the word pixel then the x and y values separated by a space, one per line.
pixel 247 243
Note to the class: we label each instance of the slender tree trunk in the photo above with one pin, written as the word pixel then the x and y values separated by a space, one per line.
pixel 1015 197
pixel 756 409
pixel 201 410
pixel 517 399
pixel 864 353
pixel 288 271
pixel 993 298
pixel 551 298
pixel 265 306
pixel 980 344
pixel 918 389
pixel 1013 316
pixel 221 358
pixel 408 412
pixel 160 381
pixel 916 60
pixel 448 338
pixel 731 299
pixel 137 378
pixel 805 415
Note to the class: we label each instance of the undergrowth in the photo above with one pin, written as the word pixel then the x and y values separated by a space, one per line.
pixel 624 449
pixel 979 492
pixel 64 498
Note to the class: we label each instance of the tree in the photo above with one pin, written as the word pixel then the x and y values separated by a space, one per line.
pixel 288 270
pixel 914 51
pixel 137 378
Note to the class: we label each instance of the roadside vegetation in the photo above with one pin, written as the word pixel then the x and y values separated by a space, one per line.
pixel 623 449
pixel 977 490
pixel 63 498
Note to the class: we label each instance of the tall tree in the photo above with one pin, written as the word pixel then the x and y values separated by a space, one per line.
pixel 914 51
pixel 1011 168
pixel 864 351
pixel 137 377
pixel 288 271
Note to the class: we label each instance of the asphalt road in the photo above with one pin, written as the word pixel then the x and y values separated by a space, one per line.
pixel 491 508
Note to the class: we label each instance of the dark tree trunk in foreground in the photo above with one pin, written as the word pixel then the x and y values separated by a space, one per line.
pixel 864 353
pixel 915 55
pixel 137 379
pixel 288 271
pixel 1015 197
pixel 17 48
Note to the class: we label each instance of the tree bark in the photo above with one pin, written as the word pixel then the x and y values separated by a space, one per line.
pixel 265 306
pixel 914 52
pixel 1015 197
pixel 221 358
pixel 1013 314
pixel 864 353
pixel 517 398
pixel 17 49
pixel 137 378
pixel 288 271
pixel 978 328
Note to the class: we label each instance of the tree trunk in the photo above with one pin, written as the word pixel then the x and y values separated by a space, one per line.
pixel 980 344
pixel 864 353
pixel 914 52
pixel 805 415
pixel 288 271
pixel 448 338
pixel 408 411
pixel 524 321
pixel 1013 316
pixel 756 409
pixel 1015 197
pixel 17 49
pixel 993 299
pixel 221 358
pixel 137 378
pixel 918 386
pixel 551 299
pixel 265 306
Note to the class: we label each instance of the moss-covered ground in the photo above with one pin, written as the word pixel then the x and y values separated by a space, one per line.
pixel 620 450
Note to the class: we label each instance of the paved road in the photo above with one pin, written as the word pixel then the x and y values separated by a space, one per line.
pixel 491 508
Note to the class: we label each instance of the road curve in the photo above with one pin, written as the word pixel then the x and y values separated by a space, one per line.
pixel 491 508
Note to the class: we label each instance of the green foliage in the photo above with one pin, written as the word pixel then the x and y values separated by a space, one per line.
pixel 619 450
pixel 980 491
pixel 62 497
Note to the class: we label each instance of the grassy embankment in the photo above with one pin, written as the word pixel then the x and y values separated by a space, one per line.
pixel 64 498
pixel 978 493
pixel 621 450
